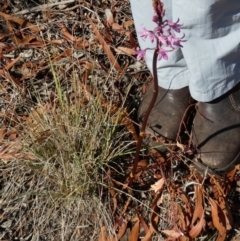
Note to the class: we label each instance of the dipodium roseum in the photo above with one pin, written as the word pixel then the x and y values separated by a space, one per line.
pixel 163 34
pixel 144 34
pixel 140 53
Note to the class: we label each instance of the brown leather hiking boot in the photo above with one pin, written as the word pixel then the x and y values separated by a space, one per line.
pixel 166 115
pixel 216 133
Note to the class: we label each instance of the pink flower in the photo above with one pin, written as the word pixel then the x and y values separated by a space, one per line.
pixel 140 53
pixel 162 53
pixel 155 17
pixel 174 42
pixel 144 33
pixel 163 33
pixel 151 36
pixel 158 29
pixel 162 39
pixel 175 26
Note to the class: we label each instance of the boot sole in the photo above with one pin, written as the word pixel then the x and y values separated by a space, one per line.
pixel 203 169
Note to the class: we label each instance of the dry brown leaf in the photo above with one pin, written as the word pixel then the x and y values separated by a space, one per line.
pixel 196 230
pixel 128 23
pixel 20 21
pixel 225 213
pixel 125 50
pixel 103 234
pixel 188 207
pixel 3 45
pixel 65 53
pixel 30 69
pixel 106 47
pixel 25 156
pixel 160 200
pixel 229 180
pixel 116 26
pixel 114 199
pixel 3 132
pixel 67 34
pixel 109 238
pixel 143 163
pixel 181 216
pixel 154 218
pixel 12 136
pixel 109 17
pixel 172 233
pixel 134 234
pixel 144 225
pixel 7 157
pixel 77 41
pixel 14 38
pixel 157 186
pixel 216 222
pixel 122 229
pixel 157 156
pixel 198 213
pixel 26 40
pixel 4 6
pixel 221 238
pixel 35 43
pixel 149 234
pixel 129 124
pixel 107 35
pixel 12 78
pixel 217 188
pixel 10 65
pixel 2 72
pixel 183 238
pixel 80 44
pixel 181 146
pixel 8 152
pixel 133 42
pixel 127 203
pixel 57 41
pixel 5 148
pixel 199 204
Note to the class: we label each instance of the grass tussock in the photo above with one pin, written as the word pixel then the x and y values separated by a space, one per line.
pixel 72 143
pixel 55 190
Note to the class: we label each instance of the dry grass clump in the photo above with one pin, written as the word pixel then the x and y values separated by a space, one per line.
pixel 55 190
pixel 72 144
pixel 33 209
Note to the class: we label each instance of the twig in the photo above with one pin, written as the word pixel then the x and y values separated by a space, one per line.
pixel 44 7
pixel 182 121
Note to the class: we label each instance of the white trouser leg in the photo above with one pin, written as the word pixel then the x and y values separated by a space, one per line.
pixel 212 50
pixel 209 62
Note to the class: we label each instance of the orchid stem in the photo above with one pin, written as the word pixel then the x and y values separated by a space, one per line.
pixel 145 119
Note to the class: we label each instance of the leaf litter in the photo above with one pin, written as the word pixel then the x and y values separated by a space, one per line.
pixel 169 200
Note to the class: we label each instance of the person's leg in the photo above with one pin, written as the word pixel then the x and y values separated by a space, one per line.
pixel 173 93
pixel 212 50
pixel 211 68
